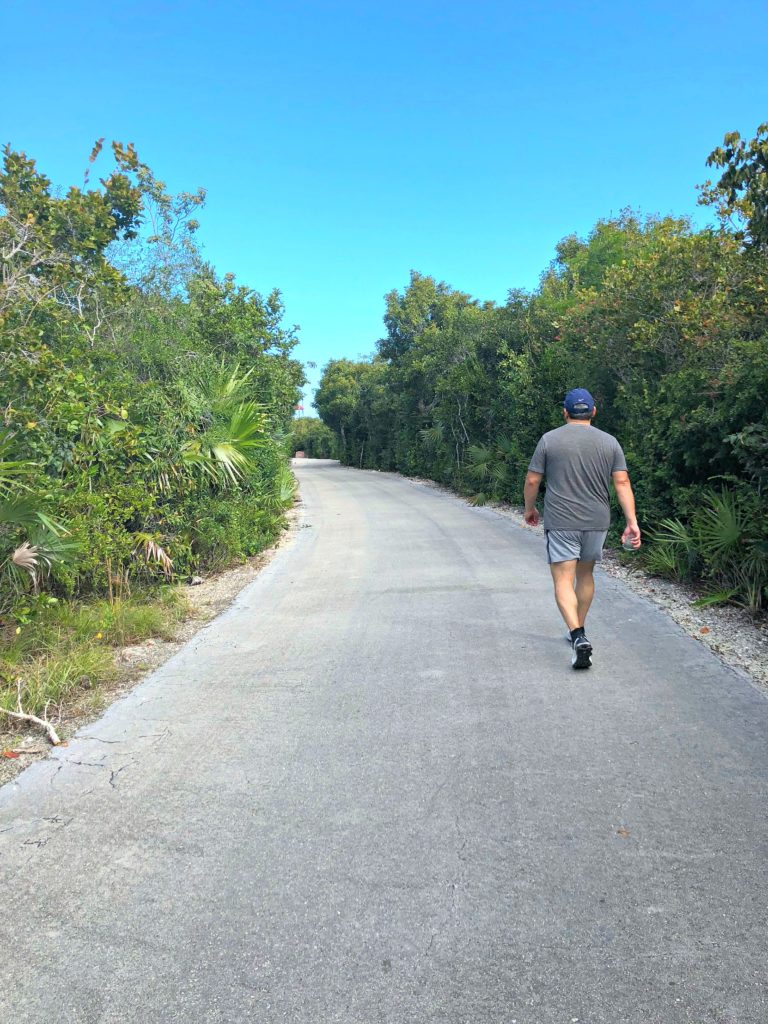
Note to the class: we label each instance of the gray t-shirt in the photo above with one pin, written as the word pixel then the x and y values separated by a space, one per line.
pixel 578 462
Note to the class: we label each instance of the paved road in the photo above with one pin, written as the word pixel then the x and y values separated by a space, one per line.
pixel 375 791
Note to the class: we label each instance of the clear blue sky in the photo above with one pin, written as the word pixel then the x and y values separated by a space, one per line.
pixel 344 143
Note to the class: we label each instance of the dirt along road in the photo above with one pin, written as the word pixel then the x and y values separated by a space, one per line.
pixel 375 791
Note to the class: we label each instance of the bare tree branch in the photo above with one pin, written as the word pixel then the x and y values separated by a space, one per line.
pixel 24 716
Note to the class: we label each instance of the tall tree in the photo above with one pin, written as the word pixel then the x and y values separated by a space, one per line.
pixel 741 193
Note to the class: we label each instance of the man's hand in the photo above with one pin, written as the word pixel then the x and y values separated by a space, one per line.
pixel 626 498
pixel 632 536
pixel 532 517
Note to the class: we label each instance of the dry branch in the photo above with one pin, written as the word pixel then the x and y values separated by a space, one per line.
pixel 25 716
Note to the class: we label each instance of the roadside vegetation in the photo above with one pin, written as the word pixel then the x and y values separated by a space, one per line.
pixel 67 653
pixel 666 325
pixel 145 403
pixel 311 436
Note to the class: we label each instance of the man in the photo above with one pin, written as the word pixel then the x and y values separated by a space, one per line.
pixel 579 462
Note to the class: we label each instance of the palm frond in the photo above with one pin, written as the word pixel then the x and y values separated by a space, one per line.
pixel 672 532
pixel 148 547
pixel 193 457
pixel 432 436
pixel 284 491
pixel 235 382
pixel 505 446
pixel 24 512
pixel 220 389
pixel 36 556
pixel 480 461
pixel 719 526
pixel 18 512
pixel 51 525
pixel 247 426
pixel 25 558
pixel 665 559
pixel 500 473
pixel 756 559
pixel 230 459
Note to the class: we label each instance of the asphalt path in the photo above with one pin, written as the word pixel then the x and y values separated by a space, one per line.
pixel 374 790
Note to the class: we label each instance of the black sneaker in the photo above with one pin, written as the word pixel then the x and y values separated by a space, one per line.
pixel 582 653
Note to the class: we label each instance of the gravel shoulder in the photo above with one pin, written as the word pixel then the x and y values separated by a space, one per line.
pixel 735 636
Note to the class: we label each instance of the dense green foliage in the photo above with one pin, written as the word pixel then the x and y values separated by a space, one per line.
pixel 145 401
pixel 667 327
pixel 311 436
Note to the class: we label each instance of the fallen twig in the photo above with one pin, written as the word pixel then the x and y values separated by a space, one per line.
pixel 24 716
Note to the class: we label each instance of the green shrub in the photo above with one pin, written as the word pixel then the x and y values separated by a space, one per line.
pixel 725 543
pixel 148 415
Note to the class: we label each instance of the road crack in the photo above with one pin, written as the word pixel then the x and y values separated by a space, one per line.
pixel 116 772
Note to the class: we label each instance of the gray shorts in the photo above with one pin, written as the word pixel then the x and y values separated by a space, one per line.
pixel 581 545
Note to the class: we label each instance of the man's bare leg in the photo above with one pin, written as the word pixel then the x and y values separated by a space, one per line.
pixel 585 589
pixel 564 577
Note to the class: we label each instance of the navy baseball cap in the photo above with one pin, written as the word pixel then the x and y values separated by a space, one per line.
pixel 579 403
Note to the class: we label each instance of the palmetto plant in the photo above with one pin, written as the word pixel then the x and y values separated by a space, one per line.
pixel 672 551
pixel 721 526
pixel 221 453
pixel 224 452
pixel 225 387
pixel 439 449
pixel 283 490
pixel 725 542
pixel 492 467
pixel 433 437
pixel 30 541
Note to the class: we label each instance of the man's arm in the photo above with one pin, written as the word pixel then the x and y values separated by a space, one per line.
pixel 531 492
pixel 626 499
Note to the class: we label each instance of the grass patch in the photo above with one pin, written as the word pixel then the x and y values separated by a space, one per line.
pixel 67 650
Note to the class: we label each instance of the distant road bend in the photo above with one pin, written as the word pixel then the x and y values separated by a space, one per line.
pixel 375 791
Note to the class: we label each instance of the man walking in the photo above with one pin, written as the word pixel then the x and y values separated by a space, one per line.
pixel 579 461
